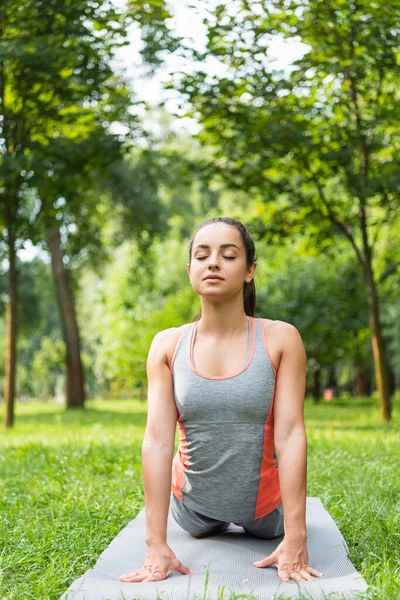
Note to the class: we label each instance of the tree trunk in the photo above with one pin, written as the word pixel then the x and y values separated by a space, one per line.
pixel 392 381
pixel 316 387
pixel 75 377
pixel 11 356
pixel 378 343
pixel 361 386
pixel 332 380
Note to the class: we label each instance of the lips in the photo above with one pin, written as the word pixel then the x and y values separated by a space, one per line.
pixel 213 277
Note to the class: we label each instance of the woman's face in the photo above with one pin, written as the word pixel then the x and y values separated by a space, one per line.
pixel 217 249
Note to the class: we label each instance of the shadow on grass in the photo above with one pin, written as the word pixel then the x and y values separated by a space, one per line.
pixel 383 427
pixel 364 403
pixel 351 414
pixel 25 459
pixel 346 401
pixel 83 416
pixel 344 414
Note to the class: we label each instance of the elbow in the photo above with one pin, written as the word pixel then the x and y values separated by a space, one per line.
pixel 296 438
pixel 157 444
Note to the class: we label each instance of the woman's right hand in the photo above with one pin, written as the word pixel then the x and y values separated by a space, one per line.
pixel 160 561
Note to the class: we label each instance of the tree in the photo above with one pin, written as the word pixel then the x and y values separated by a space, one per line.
pixel 324 297
pixel 317 148
pixel 56 89
pixel 54 64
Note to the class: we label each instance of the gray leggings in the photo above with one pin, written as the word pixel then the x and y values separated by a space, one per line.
pixel 267 527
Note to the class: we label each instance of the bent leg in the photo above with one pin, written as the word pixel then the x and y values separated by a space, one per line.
pixel 268 527
pixel 196 524
pixel 223 526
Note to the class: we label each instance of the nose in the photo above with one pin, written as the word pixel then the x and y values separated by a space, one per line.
pixel 213 264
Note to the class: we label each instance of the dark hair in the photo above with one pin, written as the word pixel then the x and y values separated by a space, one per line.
pixel 249 289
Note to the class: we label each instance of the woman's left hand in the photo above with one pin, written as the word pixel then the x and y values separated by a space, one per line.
pixel 291 558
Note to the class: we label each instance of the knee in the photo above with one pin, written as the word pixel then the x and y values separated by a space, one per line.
pixel 268 533
pixel 219 529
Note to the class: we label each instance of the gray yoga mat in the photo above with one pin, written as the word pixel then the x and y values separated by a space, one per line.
pixel 229 558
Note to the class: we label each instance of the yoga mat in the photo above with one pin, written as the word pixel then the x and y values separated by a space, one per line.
pixel 229 559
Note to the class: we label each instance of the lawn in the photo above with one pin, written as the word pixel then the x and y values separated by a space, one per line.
pixel 71 480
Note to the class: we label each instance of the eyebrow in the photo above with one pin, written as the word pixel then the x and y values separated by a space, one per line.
pixel 221 246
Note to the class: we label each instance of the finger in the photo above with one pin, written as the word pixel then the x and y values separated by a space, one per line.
pixel 126 575
pixel 143 572
pixel 313 572
pixel 284 574
pixel 266 562
pixel 305 575
pixel 183 569
pixel 300 575
pixel 155 576
pixel 134 578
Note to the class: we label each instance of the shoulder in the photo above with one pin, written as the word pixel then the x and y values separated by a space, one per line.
pixel 165 341
pixel 282 337
pixel 283 329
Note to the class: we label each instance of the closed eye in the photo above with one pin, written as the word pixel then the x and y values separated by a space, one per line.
pixel 227 257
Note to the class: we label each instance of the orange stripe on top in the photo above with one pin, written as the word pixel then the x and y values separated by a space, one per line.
pixel 179 463
pixel 269 492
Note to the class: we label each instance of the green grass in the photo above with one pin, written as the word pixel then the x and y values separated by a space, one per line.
pixel 71 480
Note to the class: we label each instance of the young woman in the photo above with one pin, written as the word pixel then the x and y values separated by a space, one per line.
pixel 235 385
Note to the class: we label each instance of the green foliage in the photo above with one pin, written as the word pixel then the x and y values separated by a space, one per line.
pixel 158 38
pixel 324 297
pixel 137 296
pixel 67 118
pixel 140 286
pixel 56 83
pixel 140 294
pixel 47 360
pixel 313 145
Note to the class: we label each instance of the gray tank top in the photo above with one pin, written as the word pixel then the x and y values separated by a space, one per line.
pixel 225 466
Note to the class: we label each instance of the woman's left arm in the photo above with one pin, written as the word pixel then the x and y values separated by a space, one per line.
pixel 291 556
pixel 290 434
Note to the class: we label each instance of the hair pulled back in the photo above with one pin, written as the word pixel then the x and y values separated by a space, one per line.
pixel 249 289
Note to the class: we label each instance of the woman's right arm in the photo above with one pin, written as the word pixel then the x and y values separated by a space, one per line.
pixel 159 440
pixel 157 454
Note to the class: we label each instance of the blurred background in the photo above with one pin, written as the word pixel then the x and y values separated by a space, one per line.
pixel 124 125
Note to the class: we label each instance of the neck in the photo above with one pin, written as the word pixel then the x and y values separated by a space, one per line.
pixel 219 320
